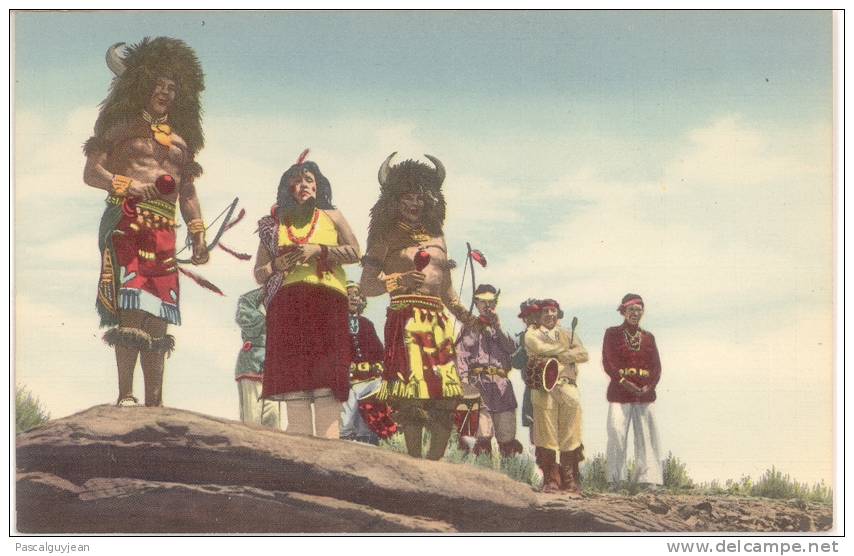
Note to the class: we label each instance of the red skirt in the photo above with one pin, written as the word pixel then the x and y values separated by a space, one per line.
pixel 308 342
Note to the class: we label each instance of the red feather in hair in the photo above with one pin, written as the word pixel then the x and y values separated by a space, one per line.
pixel 302 156
pixel 200 281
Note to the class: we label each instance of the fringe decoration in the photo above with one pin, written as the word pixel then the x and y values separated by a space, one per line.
pixel 94 145
pixel 166 344
pixel 193 168
pixel 200 281
pixel 233 253
pixel 128 337
pixel 170 313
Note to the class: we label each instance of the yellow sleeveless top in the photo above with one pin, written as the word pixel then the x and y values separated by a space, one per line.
pixel 324 234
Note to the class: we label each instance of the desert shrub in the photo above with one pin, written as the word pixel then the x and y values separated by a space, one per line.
pixel 775 484
pixel 523 468
pixel 676 474
pixel 29 412
pixel 594 474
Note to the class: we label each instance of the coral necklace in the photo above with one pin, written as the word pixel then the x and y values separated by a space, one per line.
pixel 302 240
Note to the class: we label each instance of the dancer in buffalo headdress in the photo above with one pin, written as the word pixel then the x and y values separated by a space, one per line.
pixel 407 258
pixel 303 246
pixel 142 154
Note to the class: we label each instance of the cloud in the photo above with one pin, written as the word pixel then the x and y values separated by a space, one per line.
pixel 694 235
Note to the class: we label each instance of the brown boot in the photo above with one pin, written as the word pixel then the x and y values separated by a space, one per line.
pixel 570 478
pixel 551 472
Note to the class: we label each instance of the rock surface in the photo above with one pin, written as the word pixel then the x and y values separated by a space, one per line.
pixel 164 470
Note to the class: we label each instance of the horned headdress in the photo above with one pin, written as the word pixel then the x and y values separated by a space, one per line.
pixel 136 73
pixel 410 176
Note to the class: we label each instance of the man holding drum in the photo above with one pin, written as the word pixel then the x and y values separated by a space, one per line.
pixel 557 405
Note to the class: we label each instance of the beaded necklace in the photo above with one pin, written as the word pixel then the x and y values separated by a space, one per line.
pixel 302 240
pixel 162 131
pixel 416 234
pixel 633 340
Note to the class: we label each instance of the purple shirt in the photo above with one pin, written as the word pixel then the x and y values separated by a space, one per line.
pixel 487 348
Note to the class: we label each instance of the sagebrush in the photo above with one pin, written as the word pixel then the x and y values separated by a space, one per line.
pixel 29 412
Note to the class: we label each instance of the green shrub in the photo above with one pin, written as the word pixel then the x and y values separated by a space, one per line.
pixel 594 474
pixel 29 412
pixel 774 484
pixel 676 474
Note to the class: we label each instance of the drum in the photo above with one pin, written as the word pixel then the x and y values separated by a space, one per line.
pixel 542 373
pixel 467 414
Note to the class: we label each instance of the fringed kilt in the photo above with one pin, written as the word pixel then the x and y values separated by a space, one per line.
pixel 138 267
pixel 419 351
pixel 308 342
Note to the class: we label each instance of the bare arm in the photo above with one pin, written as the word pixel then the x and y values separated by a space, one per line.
pixel 347 251
pixel 452 302
pixel 372 281
pixel 94 173
pixel 263 265
pixel 191 210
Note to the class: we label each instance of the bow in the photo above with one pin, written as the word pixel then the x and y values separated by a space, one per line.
pixel 227 212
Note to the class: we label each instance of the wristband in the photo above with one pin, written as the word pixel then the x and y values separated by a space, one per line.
pixel 120 185
pixel 393 282
pixel 196 225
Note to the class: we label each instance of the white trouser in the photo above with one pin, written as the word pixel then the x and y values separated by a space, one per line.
pixel 641 416
pixel 255 410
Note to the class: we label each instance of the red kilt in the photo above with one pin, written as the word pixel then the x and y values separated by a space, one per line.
pixel 308 341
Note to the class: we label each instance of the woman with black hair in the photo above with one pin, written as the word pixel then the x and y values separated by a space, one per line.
pixel 304 243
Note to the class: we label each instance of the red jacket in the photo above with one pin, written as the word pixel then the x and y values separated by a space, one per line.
pixel 642 367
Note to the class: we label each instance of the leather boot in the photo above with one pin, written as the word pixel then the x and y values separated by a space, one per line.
pixel 570 479
pixel 551 472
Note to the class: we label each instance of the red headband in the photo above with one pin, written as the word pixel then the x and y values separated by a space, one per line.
pixel 630 302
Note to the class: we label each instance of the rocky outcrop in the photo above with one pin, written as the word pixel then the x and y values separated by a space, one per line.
pixel 163 470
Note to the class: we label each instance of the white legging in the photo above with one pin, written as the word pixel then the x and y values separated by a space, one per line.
pixel 324 423
pixel 641 417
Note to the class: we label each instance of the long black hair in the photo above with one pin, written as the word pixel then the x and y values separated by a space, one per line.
pixel 324 189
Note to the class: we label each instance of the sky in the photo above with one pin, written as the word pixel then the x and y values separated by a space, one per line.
pixel 685 156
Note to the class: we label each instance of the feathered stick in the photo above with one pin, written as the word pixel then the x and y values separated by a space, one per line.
pixel 233 253
pixel 199 280
pixel 237 219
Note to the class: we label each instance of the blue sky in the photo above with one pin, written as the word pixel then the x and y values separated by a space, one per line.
pixel 681 155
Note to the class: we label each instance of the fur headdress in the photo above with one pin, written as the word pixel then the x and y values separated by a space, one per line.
pixel 410 176
pixel 136 74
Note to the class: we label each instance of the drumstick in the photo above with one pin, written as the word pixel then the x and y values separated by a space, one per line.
pixel 573 325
